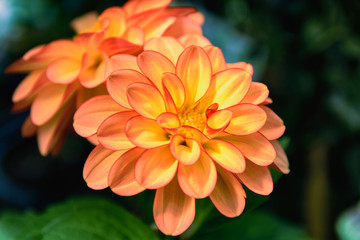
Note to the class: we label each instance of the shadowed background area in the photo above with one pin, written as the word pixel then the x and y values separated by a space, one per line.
pixel 306 52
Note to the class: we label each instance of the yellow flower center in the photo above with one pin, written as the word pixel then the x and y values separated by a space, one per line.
pixel 192 117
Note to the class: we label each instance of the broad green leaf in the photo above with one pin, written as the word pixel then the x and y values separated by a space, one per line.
pixel 78 218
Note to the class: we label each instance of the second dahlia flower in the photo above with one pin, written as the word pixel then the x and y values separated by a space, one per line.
pixel 65 73
pixel 184 122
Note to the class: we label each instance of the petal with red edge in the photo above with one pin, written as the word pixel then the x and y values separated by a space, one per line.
pixel 168 46
pixel 146 100
pixel 257 93
pixel 122 174
pixel 255 147
pixel 97 166
pixel 194 39
pixel 243 65
pixel 227 88
pixel 135 35
pixel 137 6
pixel 185 150
pixel 153 65
pixel 27 85
pixel 63 70
pixel 246 119
pixel 118 82
pixel 194 70
pixel 226 155
pixel 121 61
pixel 155 168
pixel 115 45
pixel 173 210
pixel 257 178
pixel 281 161
pixel 93 112
pixel 168 121
pixel 157 27
pixel 216 57
pixel 47 103
pixel 174 89
pixel 228 195
pixel 111 133
pixel 217 121
pixel 145 133
pixel 198 180
pixel 274 126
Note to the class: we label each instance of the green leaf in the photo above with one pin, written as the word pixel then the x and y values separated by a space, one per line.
pixel 78 218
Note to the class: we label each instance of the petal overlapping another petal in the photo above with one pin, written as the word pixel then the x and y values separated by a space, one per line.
pixel 173 210
pixel 198 180
pixel 228 195
pixel 155 168
pixel 121 178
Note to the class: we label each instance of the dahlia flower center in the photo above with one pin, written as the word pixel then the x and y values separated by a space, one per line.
pixel 193 118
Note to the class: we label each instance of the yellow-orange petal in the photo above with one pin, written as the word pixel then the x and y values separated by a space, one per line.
pixel 27 85
pixel 111 133
pixel 217 121
pixel 257 93
pixel 137 6
pixel 217 59
pixel 93 77
pixel 227 88
pixel 194 70
pixel 168 46
pixel 93 112
pixel 114 45
pixel 115 16
pixel 246 119
pixel 243 65
pixel 226 155
pixel 121 178
pixel 153 65
pixel 23 66
pixel 184 24
pixel 135 35
pixel 257 178
pixel 228 195
pixel 173 210
pixel 194 39
pixel 47 103
pixel 121 61
pixel 274 126
pixel 63 70
pixel 155 168
pixel 118 83
pixel 185 150
pixel 198 180
pixel 57 49
pixel 168 121
pixel 97 166
pixel 145 133
pixel 158 26
pixel 174 91
pixel 255 147
pixel 84 23
pixel 281 161
pixel 146 100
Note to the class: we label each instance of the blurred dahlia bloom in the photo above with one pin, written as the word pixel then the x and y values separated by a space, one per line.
pixel 184 122
pixel 65 73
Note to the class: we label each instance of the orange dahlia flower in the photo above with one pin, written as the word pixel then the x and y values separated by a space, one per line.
pixel 65 73
pixel 182 121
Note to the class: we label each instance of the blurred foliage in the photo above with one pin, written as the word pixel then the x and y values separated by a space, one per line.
pixel 77 218
pixel 348 224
